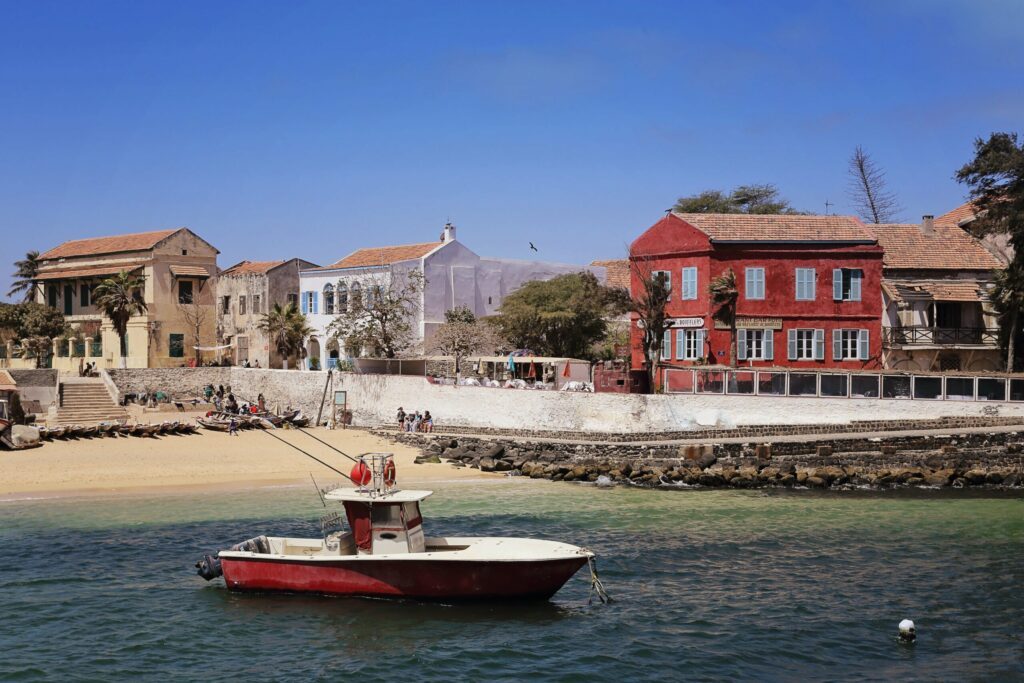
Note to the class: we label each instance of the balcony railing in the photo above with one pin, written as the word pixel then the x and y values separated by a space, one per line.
pixel 940 336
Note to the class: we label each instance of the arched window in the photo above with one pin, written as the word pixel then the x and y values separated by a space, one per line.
pixel 342 298
pixel 357 296
pixel 329 299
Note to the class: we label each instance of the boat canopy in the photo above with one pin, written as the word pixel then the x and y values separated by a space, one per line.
pixel 353 495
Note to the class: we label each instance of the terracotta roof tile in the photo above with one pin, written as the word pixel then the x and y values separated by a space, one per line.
pixel 7 382
pixel 617 271
pixel 189 271
pixel 935 290
pixel 961 214
pixel 97 271
pixel 947 248
pixel 383 256
pixel 252 268
pixel 778 227
pixel 138 241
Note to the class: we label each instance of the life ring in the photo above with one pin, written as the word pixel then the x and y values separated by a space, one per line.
pixel 360 474
pixel 389 473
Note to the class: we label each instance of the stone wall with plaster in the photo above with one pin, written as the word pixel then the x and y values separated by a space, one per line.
pixel 374 399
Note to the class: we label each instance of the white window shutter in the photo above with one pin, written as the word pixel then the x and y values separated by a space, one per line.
pixel 666 345
pixel 863 344
pixel 791 343
pixel 837 284
pixel 769 345
pixel 741 344
pixel 837 344
pixel 680 344
pixel 701 335
pixel 819 344
pixel 855 279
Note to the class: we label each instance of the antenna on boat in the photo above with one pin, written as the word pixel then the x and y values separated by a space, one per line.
pixel 308 455
pixel 329 445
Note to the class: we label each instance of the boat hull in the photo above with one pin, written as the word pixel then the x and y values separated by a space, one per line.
pixel 419 579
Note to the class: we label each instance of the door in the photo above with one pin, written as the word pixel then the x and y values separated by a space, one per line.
pixel 69 293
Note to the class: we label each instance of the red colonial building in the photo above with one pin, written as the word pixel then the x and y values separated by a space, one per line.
pixel 809 290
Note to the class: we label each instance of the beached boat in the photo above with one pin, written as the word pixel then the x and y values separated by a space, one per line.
pixel 386 553
pixel 213 424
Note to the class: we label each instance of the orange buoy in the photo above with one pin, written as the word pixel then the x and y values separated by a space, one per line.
pixel 360 474
pixel 389 473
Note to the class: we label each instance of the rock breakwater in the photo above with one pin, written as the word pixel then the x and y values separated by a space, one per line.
pixel 993 460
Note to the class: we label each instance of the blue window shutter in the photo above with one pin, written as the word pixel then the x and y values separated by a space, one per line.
pixel 769 344
pixel 863 344
pixel 741 344
pixel 791 344
pixel 819 344
pixel 837 284
pixel 316 298
pixel 855 278
pixel 302 300
pixel 837 344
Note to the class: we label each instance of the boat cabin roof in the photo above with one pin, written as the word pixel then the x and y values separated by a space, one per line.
pixel 363 496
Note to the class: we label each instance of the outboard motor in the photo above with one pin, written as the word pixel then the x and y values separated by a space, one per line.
pixel 209 566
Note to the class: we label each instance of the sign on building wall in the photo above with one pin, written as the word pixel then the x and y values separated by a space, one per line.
pixel 750 322
pixel 687 322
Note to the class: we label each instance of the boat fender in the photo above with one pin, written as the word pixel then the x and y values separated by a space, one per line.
pixel 360 474
pixel 209 567
pixel 389 473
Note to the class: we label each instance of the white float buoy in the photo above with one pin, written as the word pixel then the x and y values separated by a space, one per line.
pixel 907 632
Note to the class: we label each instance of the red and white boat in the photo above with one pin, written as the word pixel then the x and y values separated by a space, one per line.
pixel 385 552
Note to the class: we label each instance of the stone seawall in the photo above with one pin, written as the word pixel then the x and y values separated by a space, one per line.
pixel 954 460
pixel 374 399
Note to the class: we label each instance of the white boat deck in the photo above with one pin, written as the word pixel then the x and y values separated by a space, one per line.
pixel 450 548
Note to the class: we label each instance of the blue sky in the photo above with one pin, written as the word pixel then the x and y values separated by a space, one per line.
pixel 280 129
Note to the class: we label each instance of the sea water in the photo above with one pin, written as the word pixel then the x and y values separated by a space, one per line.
pixel 707 585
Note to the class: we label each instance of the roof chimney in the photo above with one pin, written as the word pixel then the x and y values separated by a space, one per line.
pixel 928 225
pixel 449 233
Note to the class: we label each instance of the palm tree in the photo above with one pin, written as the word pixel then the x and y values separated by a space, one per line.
pixel 724 296
pixel 1007 297
pixel 120 298
pixel 25 274
pixel 287 330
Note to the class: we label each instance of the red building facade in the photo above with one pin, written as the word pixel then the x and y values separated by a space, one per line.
pixel 809 290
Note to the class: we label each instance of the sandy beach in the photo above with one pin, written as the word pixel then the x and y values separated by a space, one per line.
pixel 205 459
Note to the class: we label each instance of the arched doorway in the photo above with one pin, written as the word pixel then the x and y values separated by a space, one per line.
pixel 333 354
pixel 313 359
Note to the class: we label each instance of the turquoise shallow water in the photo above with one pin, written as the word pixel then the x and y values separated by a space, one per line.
pixel 709 585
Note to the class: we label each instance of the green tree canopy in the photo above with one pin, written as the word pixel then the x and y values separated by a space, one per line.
pixel 763 199
pixel 380 321
pixel 563 317
pixel 287 330
pixel 30 319
pixel 25 272
pixel 120 298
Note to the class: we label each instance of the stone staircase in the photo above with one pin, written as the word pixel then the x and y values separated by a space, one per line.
pixel 86 401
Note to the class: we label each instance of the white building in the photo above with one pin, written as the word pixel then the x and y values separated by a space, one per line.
pixel 454 276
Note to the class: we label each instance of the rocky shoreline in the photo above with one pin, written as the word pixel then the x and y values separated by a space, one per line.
pixel 989 460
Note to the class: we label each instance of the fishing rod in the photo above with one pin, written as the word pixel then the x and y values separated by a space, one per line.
pixel 356 460
pixel 308 455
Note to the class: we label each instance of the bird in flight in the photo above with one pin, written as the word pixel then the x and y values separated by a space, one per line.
pixel 533 247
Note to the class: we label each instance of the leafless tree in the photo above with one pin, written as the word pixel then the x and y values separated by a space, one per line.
pixel 867 189
pixel 195 317
pixel 464 335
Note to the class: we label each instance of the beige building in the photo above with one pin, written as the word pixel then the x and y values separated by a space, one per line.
pixel 245 292
pixel 935 280
pixel 179 269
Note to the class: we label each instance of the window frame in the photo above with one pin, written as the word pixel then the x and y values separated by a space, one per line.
pixel 812 295
pixel 191 292
pixel 173 344
pixel 758 281
pixel 668 278
pixel 688 280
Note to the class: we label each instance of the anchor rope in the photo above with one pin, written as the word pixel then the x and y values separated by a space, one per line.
pixel 308 455
pixel 596 586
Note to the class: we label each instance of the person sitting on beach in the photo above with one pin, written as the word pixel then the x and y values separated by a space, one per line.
pixel 208 392
pixel 408 422
pixel 416 421
pixel 428 422
pixel 232 404
pixel 256 363
pixel 401 418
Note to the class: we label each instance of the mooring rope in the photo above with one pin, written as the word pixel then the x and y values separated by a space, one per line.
pixel 336 450
pixel 596 587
